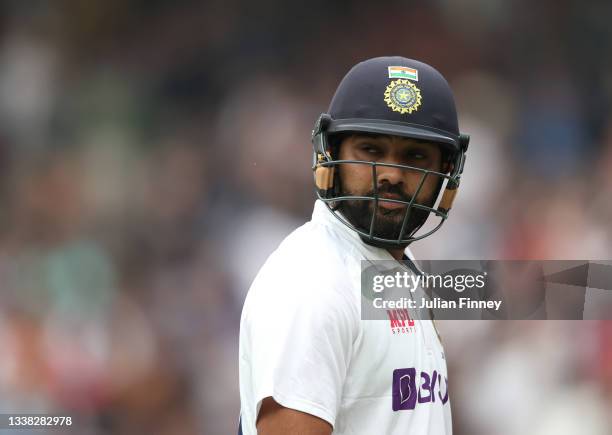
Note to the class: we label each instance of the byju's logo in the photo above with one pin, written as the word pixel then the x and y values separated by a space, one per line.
pixel 408 388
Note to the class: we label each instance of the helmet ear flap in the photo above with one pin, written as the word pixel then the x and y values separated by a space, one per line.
pixel 448 197
pixel 324 177
pixel 450 192
pixel 323 174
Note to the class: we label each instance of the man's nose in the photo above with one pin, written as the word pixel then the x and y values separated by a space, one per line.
pixel 389 174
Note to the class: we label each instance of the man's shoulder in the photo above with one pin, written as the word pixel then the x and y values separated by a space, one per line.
pixel 311 238
pixel 312 256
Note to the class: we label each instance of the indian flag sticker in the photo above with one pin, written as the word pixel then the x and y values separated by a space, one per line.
pixel 403 72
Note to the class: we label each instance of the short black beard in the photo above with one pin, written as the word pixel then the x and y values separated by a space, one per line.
pixel 388 222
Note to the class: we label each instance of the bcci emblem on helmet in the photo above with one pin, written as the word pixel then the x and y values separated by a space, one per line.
pixel 403 96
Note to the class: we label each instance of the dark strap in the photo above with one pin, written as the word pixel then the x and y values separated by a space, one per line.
pixel 408 262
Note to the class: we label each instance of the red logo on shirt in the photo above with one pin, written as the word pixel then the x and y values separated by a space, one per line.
pixel 401 323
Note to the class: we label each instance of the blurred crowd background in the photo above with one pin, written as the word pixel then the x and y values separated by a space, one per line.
pixel 153 153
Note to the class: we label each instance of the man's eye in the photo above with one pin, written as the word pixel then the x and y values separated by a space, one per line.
pixel 370 149
pixel 417 156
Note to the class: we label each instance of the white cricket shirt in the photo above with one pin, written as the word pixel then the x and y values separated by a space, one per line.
pixel 302 342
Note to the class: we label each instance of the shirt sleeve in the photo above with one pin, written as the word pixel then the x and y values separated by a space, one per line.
pixel 301 335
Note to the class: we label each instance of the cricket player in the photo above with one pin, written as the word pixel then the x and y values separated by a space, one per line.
pixel 388 155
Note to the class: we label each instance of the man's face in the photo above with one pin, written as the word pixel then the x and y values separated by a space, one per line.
pixel 392 183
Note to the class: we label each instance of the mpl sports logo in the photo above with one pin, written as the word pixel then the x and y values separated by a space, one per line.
pixel 401 323
pixel 406 394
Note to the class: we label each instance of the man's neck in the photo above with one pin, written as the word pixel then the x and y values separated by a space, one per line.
pixel 397 253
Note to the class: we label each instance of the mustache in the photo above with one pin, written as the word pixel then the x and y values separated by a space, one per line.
pixel 392 189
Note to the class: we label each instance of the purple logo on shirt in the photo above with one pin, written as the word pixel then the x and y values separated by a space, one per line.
pixel 406 394
pixel 404 389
